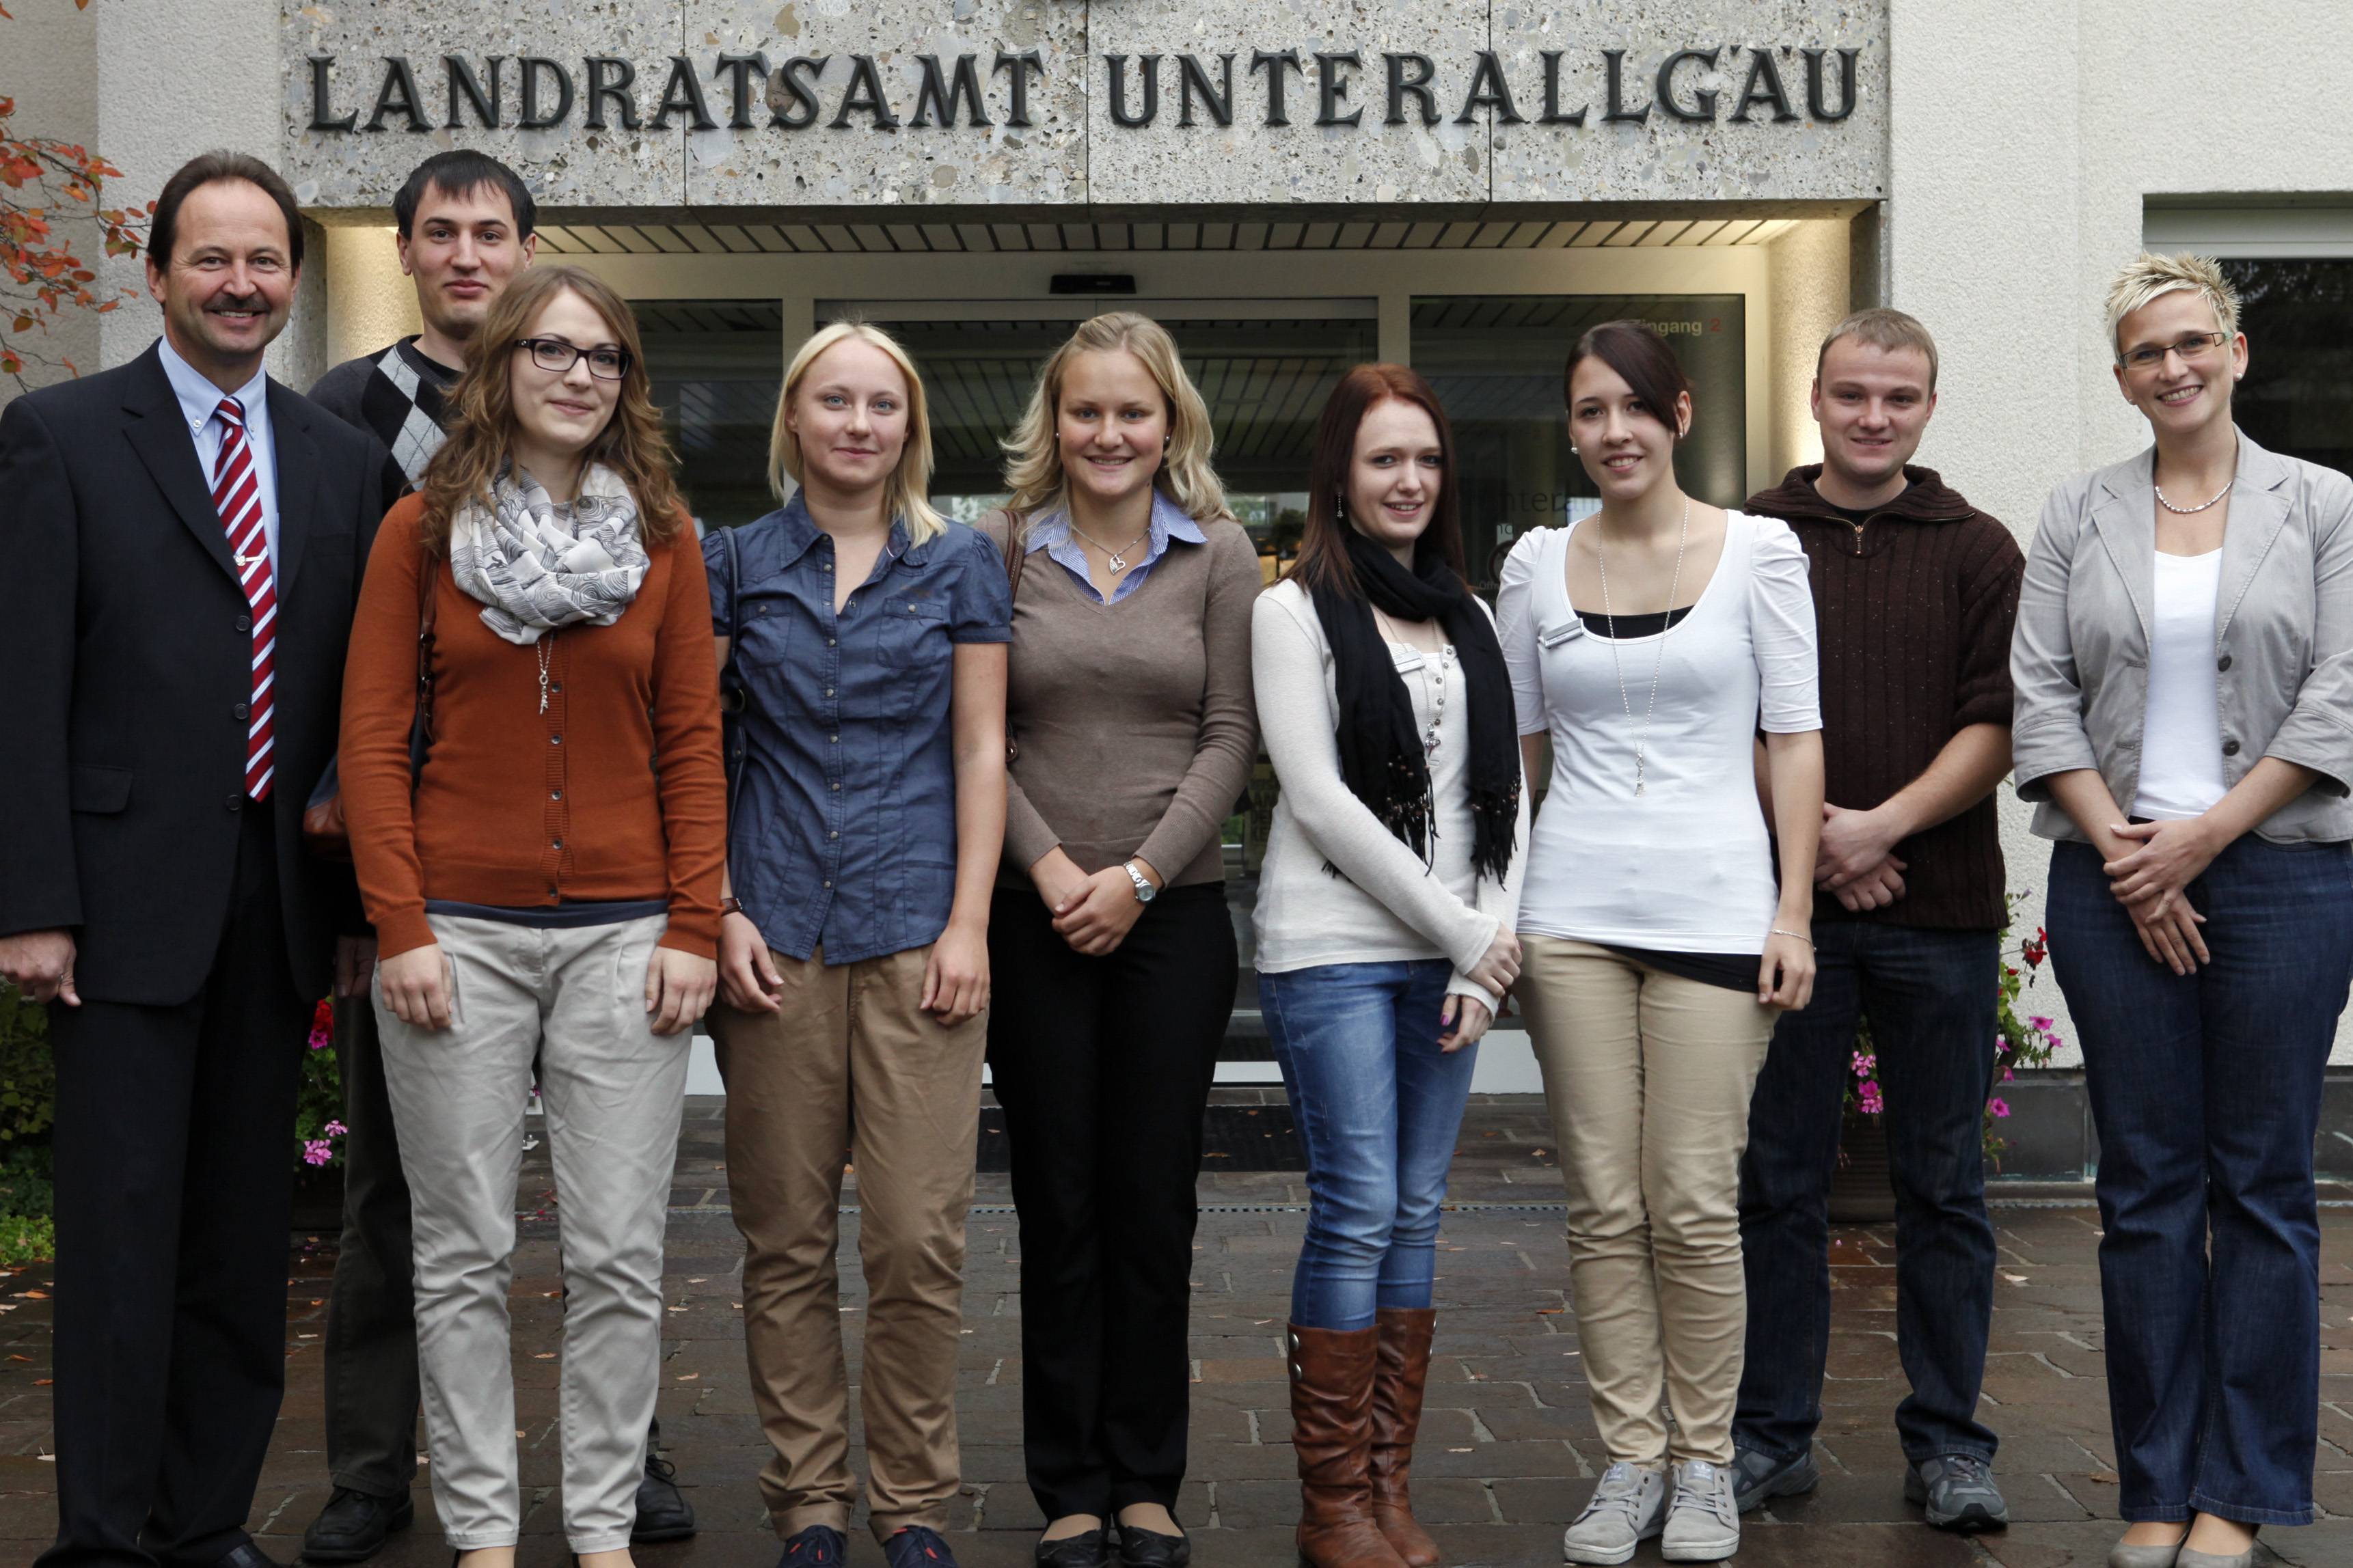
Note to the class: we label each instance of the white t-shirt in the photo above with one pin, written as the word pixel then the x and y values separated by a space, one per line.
pixel 1687 866
pixel 2181 736
pixel 1386 905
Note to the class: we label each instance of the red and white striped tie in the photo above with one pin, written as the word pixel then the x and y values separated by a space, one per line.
pixel 236 496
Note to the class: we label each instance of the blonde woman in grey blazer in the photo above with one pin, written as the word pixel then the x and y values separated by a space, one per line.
pixel 2184 666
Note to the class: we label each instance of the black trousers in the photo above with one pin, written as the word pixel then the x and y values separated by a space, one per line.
pixel 1104 1066
pixel 371 1344
pixel 175 1189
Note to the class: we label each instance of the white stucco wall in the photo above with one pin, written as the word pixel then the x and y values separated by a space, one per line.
pixel 173 80
pixel 1808 269
pixel 2023 141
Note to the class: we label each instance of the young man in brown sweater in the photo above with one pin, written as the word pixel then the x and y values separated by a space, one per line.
pixel 1914 592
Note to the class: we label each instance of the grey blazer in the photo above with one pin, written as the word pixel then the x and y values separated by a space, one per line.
pixel 2283 637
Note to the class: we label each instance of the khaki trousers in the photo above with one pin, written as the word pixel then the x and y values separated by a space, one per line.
pixel 1647 1077
pixel 569 1006
pixel 851 1067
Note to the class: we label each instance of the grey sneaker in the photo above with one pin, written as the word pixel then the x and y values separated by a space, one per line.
pixel 1703 1524
pixel 1628 1506
pixel 1757 1475
pixel 1957 1491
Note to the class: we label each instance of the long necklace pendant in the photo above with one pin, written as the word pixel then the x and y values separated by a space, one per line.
pixel 1638 786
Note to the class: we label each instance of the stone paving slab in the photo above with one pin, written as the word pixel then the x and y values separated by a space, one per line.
pixel 1508 1447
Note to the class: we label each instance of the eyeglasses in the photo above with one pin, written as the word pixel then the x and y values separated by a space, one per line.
pixel 2190 351
pixel 557 357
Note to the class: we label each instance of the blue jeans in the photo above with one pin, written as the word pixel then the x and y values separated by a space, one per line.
pixel 2206 1091
pixel 1930 996
pixel 1377 1106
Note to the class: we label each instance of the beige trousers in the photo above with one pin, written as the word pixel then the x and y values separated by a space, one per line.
pixel 853 1069
pixel 1647 1077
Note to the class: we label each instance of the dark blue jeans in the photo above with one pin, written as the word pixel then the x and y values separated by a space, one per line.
pixel 1379 1106
pixel 2206 1091
pixel 1930 996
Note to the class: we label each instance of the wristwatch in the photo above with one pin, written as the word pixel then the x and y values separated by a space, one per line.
pixel 731 906
pixel 1144 891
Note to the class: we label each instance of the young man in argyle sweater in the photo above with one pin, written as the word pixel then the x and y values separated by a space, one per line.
pixel 465 227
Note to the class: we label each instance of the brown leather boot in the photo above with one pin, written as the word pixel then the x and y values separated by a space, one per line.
pixel 1403 1371
pixel 1331 1431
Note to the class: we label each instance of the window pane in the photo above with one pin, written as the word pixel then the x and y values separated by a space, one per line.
pixel 717 365
pixel 1495 361
pixel 2299 395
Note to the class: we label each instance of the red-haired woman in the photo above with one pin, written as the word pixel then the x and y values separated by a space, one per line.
pixel 1387 709
pixel 1651 640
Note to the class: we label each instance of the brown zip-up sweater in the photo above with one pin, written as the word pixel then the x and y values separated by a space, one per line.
pixel 1914 608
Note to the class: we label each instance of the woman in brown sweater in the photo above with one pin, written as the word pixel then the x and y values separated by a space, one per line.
pixel 545 887
pixel 1132 734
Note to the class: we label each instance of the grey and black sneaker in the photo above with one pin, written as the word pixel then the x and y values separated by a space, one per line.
pixel 1703 1523
pixel 1959 1492
pixel 1628 1506
pixel 1757 1475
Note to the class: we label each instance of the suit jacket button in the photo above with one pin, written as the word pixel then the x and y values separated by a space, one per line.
pixel 245 622
pixel 236 800
pixel 244 710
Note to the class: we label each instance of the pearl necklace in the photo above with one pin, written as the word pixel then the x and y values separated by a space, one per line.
pixel 2202 505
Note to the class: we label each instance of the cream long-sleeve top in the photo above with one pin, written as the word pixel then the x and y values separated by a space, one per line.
pixel 1386 905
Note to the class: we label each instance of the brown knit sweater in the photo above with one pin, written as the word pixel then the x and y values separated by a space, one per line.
pixel 526 806
pixel 1133 727
pixel 1915 609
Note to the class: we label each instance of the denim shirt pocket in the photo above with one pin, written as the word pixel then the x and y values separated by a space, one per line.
pixel 915 630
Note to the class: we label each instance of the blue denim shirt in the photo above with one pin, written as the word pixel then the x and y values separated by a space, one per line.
pixel 1052 534
pixel 842 833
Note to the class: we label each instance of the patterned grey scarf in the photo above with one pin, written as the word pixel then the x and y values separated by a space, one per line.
pixel 536 570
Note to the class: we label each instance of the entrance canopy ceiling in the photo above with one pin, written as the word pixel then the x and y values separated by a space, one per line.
pixel 1094 104
pixel 773 235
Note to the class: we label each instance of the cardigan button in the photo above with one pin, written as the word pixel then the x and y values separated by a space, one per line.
pixel 2223 662
pixel 2229 748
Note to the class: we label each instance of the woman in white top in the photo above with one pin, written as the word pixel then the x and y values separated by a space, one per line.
pixel 2184 666
pixel 1652 641
pixel 1385 913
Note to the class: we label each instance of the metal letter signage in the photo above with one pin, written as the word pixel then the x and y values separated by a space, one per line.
pixel 895 103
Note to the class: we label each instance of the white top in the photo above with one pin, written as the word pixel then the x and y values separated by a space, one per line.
pixel 200 403
pixel 1384 906
pixel 1687 866
pixel 2181 739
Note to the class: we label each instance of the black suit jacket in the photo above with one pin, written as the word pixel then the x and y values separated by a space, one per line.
pixel 122 794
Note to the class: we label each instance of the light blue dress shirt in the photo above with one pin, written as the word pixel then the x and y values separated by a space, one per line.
pixel 199 405
pixel 1052 534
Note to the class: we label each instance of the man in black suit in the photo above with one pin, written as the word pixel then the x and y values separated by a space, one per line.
pixel 180 552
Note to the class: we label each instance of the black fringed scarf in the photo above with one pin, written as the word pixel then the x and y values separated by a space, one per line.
pixel 1381 759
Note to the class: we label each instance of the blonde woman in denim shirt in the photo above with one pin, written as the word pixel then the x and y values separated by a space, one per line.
pixel 867 638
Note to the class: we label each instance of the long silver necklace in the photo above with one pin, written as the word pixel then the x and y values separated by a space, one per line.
pixel 1674 584
pixel 1434 695
pixel 546 652
pixel 2202 505
pixel 1116 559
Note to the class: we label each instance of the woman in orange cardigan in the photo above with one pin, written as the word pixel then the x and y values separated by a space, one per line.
pixel 546 889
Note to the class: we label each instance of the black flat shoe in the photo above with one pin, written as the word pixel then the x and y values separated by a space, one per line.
pixel 353 1525
pixel 1091 1550
pixel 1140 1547
pixel 663 1513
